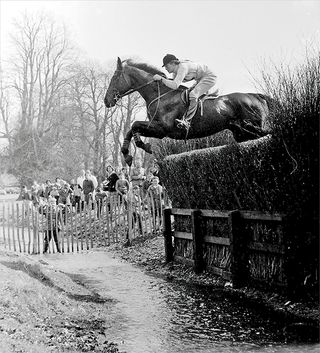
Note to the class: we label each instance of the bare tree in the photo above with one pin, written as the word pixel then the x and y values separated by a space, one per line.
pixel 39 77
pixel 88 87
pixel 121 122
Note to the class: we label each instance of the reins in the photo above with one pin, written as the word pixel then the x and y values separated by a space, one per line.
pixel 131 90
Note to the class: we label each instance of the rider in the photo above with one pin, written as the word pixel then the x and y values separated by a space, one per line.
pixel 184 71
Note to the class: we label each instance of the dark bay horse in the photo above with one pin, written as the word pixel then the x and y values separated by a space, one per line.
pixel 245 114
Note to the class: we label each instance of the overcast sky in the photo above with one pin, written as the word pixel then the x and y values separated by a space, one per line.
pixel 232 37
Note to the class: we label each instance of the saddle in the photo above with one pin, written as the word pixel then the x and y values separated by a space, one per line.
pixel 204 97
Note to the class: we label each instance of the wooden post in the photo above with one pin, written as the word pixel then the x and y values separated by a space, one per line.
pixel 72 228
pixel 238 250
pixel 167 233
pixel 130 223
pixel 8 225
pixel 13 228
pixel 3 224
pixel 197 238
pixel 76 224
pixel 290 265
pixel 23 215
pixel 29 231
pixel 18 236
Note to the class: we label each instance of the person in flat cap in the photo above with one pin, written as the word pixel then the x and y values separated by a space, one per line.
pixel 185 71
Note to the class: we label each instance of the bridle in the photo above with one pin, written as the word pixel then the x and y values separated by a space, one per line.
pixel 118 95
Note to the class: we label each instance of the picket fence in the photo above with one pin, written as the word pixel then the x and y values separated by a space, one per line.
pixel 23 226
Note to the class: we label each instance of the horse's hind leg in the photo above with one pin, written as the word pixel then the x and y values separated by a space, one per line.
pixel 244 132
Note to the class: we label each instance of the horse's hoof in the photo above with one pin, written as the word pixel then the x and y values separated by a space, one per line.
pixel 147 148
pixel 128 159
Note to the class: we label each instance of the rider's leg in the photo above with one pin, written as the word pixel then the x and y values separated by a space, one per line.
pixel 185 122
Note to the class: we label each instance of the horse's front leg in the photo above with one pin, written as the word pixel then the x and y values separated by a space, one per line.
pixel 125 148
pixel 146 129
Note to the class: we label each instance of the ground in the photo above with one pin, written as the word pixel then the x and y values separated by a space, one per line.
pixel 149 254
pixel 44 310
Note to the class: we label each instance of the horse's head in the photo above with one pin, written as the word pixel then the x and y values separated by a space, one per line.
pixel 120 84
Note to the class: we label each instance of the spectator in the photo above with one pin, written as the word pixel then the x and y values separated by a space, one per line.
pixel 135 205
pixel 55 192
pixel 48 188
pixel 35 190
pixel 155 193
pixel 109 184
pixel 122 187
pixel 65 193
pixel 76 194
pixel 125 171
pixel 81 178
pixel 100 196
pixel 146 183
pixel 51 211
pixel 93 178
pixel 138 175
pixel 25 196
pixel 88 188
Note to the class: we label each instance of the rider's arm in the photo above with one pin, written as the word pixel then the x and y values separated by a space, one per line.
pixel 176 82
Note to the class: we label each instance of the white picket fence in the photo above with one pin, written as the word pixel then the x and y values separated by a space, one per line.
pixel 23 226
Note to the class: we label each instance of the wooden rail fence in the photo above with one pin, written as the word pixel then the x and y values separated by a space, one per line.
pixel 239 246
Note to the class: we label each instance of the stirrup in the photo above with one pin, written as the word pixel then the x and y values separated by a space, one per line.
pixel 183 124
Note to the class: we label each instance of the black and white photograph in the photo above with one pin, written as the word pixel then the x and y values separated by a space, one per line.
pixel 159 176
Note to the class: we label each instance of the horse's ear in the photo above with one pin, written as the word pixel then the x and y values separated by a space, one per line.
pixel 119 64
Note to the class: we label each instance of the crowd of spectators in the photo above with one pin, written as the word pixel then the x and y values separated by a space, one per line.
pixel 136 189
pixel 117 184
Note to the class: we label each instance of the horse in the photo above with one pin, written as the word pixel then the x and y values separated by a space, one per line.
pixel 244 114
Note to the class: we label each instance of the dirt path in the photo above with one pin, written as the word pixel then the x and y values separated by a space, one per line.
pixel 95 302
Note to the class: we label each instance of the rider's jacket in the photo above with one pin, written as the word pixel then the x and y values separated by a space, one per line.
pixel 189 70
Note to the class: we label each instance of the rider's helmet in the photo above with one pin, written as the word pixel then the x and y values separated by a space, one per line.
pixel 168 58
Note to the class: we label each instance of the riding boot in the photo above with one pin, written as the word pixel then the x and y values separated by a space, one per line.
pixel 185 122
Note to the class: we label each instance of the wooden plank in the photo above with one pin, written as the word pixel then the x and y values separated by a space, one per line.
pixel 216 240
pixel 220 272
pixel 215 213
pixel 3 225
pixel 183 235
pixel 255 215
pixel 271 248
pixel 107 210
pixel 18 233
pixel 67 228
pixel 183 260
pixel 13 228
pixel 72 229
pixel 8 225
pixel 90 222
pixel 181 211
pixel 23 215
pixel 28 227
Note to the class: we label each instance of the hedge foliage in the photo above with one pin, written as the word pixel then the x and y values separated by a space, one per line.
pixel 277 173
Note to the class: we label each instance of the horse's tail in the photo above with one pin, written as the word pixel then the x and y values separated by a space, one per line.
pixel 271 105
pixel 271 102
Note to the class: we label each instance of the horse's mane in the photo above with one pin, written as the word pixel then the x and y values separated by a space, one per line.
pixel 145 67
